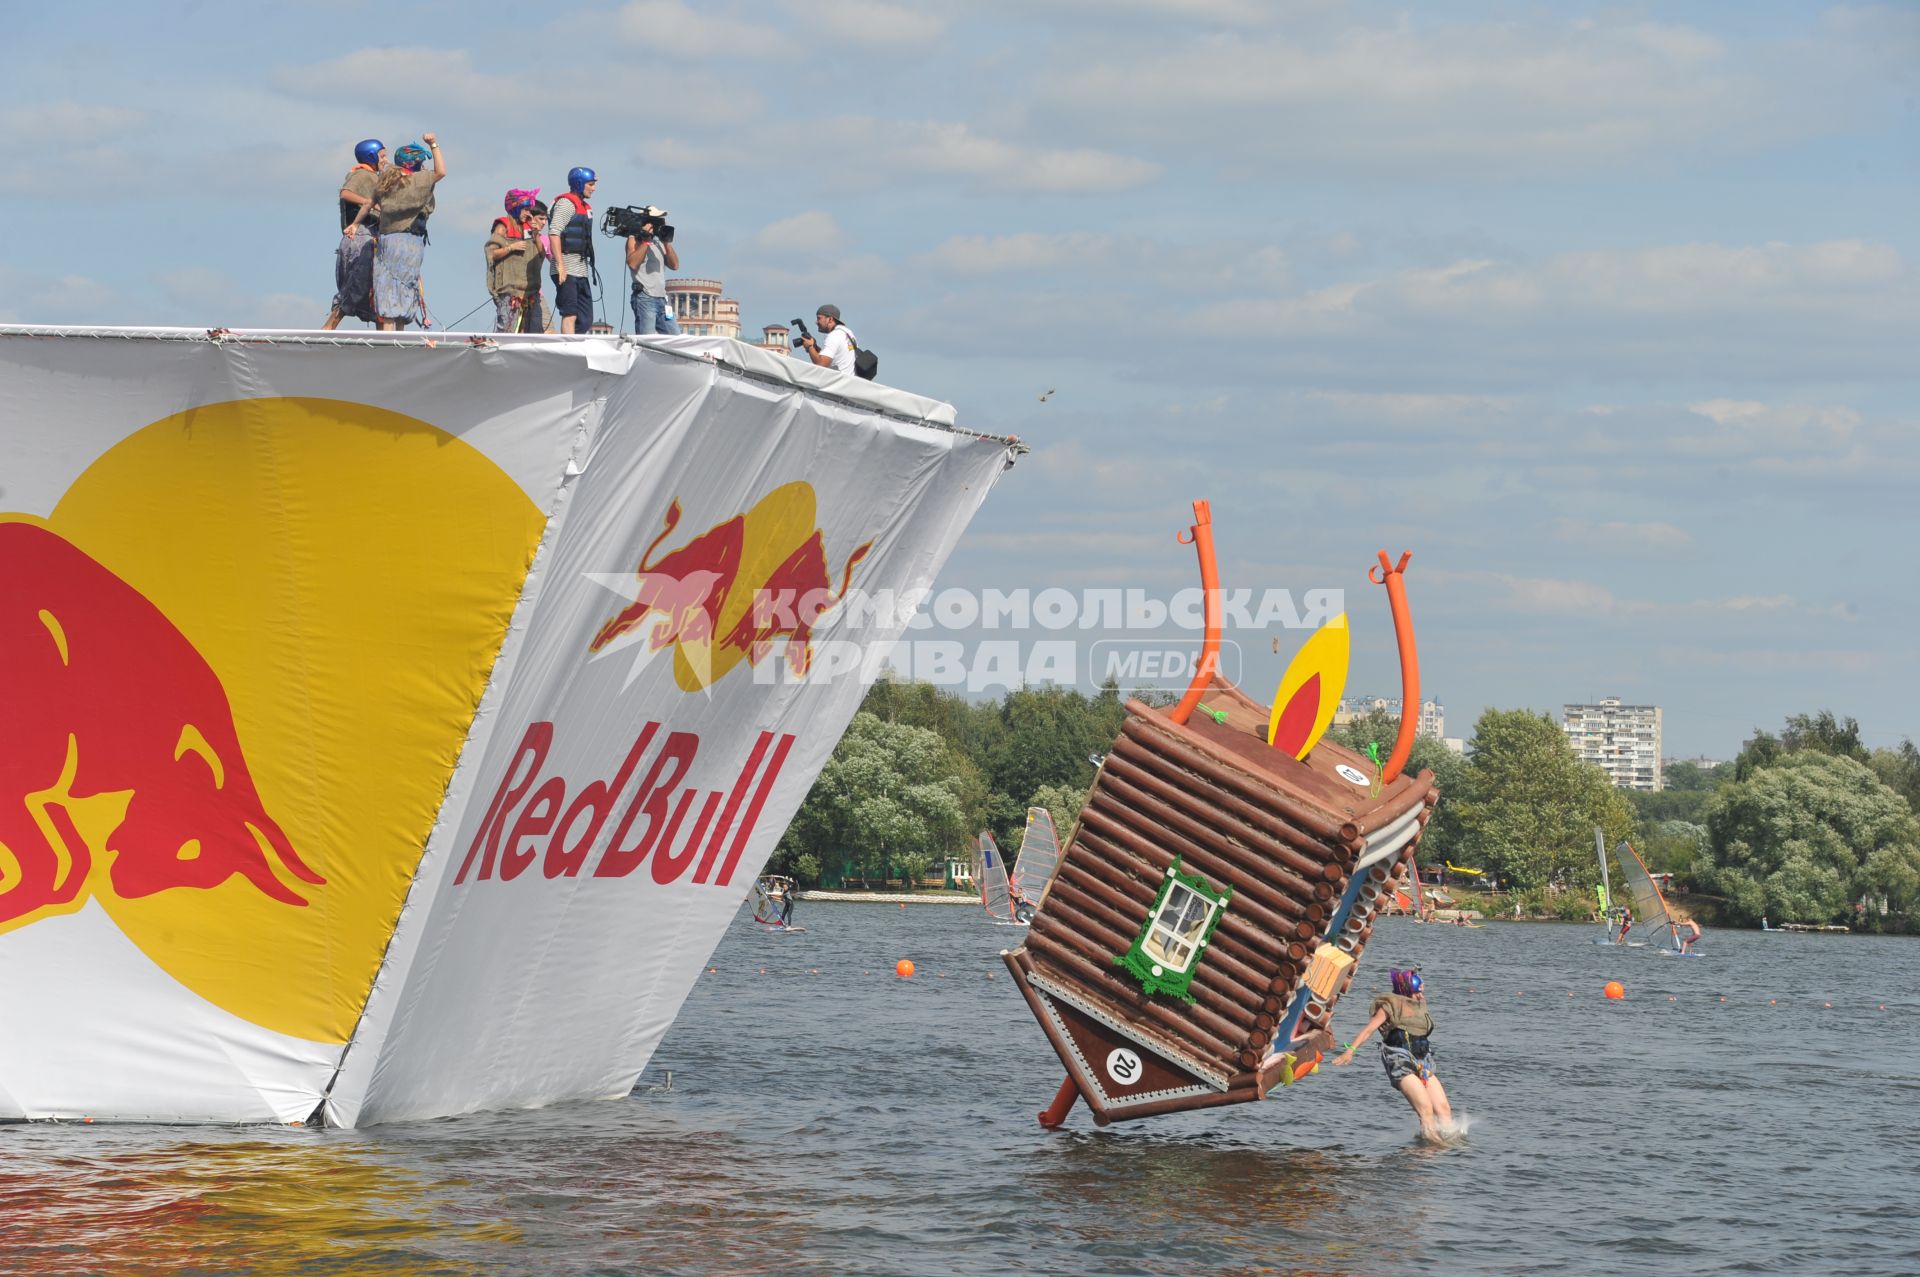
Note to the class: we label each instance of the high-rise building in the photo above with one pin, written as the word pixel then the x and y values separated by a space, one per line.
pixel 1433 715
pixel 1624 740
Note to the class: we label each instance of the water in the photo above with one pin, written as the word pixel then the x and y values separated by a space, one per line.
pixel 852 1122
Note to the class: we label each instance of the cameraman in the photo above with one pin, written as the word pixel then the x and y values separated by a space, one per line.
pixel 834 349
pixel 650 255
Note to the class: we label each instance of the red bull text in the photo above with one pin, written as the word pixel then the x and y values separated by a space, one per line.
pixel 553 822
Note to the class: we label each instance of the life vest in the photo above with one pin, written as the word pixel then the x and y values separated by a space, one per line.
pixel 576 237
pixel 513 228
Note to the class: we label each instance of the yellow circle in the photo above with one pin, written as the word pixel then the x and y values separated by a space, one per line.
pixel 348 573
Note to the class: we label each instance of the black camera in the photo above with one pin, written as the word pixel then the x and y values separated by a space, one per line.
pixel 632 220
pixel 804 336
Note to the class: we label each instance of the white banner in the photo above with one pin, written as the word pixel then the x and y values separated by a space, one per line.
pixel 290 813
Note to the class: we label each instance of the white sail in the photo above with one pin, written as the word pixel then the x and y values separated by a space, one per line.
pixel 1039 856
pixel 1652 920
pixel 1609 913
pixel 992 877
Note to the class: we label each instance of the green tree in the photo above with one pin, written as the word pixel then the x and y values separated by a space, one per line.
pixel 887 799
pixel 1899 770
pixel 1689 787
pixel 1441 842
pixel 1820 733
pixel 1530 806
pixel 1806 837
pixel 1050 736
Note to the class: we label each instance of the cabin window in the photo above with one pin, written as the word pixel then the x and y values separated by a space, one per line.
pixel 1174 937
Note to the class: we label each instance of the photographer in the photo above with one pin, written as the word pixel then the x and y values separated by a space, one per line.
pixel 650 255
pixel 573 227
pixel 834 348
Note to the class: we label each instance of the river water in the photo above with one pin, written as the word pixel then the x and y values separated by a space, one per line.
pixel 829 1117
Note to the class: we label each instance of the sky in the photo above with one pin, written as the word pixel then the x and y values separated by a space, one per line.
pixel 1608 313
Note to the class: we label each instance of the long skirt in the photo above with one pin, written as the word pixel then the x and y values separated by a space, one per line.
pixel 396 276
pixel 353 276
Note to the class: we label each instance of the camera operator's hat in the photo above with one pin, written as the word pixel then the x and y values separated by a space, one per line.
pixel 830 311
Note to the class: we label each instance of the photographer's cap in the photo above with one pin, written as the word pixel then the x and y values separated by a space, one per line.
pixel 830 311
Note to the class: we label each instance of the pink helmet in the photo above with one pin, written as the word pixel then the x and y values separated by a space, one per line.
pixel 518 199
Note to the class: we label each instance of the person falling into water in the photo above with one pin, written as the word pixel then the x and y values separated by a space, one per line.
pixel 1406 1053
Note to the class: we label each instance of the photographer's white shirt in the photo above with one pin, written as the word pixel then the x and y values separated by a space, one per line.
pixel 837 346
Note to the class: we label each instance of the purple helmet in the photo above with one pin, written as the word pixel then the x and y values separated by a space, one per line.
pixel 1405 983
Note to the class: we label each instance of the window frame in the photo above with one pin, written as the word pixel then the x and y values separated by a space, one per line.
pixel 1152 969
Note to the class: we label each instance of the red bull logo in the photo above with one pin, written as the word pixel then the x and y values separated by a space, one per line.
pixel 117 728
pixel 732 591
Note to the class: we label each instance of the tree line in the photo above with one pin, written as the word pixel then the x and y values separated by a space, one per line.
pixel 1806 825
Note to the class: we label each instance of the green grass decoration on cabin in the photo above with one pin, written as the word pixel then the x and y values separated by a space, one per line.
pixel 1164 956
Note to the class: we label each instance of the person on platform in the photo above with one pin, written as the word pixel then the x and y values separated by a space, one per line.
pixel 573 264
pixel 404 194
pixel 353 255
pixel 835 346
pixel 1406 1052
pixel 513 257
pixel 650 256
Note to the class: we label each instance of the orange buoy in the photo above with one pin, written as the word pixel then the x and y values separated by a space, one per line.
pixel 1614 990
pixel 903 968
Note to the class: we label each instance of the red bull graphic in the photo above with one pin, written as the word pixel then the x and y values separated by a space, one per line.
pixel 734 589
pixel 116 727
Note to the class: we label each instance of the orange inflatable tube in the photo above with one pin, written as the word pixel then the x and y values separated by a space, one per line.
pixel 1201 538
pixel 1394 577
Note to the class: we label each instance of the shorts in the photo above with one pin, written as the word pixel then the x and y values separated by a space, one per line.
pixel 1402 1063
pixel 575 298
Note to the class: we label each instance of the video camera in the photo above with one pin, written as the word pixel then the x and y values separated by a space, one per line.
pixel 632 220
pixel 804 336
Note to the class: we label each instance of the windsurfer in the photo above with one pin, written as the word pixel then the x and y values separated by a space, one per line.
pixel 1626 925
pixel 1406 1052
pixel 1690 935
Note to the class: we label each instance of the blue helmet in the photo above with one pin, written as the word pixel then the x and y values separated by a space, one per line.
pixel 578 178
pixel 368 152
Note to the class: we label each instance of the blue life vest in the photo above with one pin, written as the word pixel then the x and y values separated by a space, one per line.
pixel 576 237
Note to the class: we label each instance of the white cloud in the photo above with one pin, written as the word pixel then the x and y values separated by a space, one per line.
pixel 872 23
pixel 868 152
pixel 67 124
pixel 1848 282
pixel 809 233
pixel 670 26
pixel 1436 96
pixel 1021 252
pixel 1651 538
pixel 444 77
